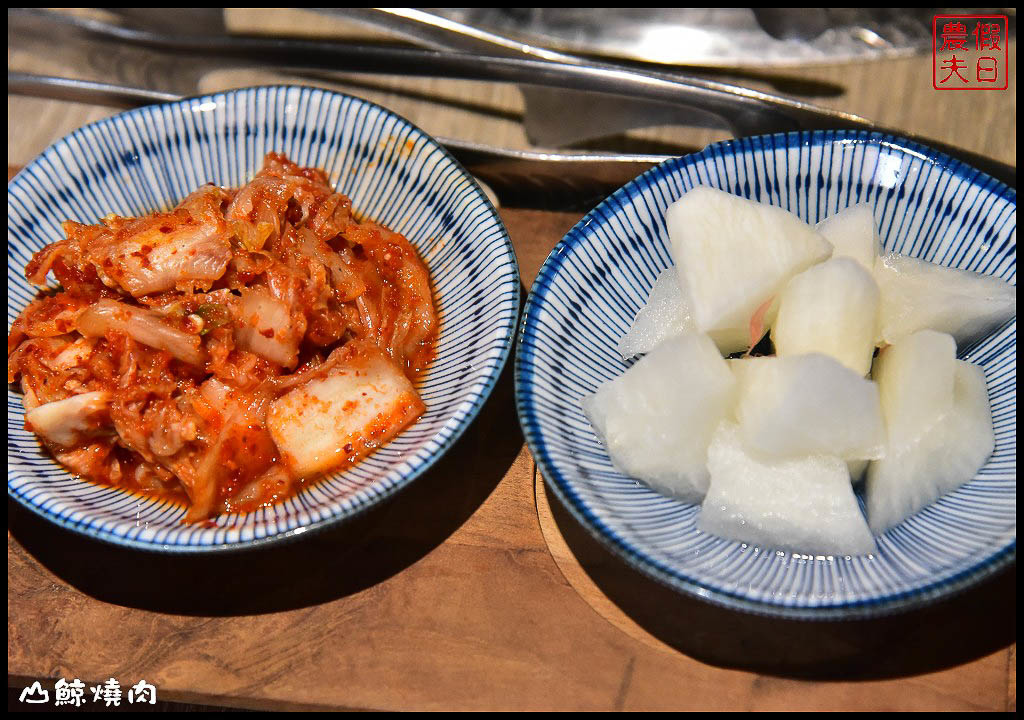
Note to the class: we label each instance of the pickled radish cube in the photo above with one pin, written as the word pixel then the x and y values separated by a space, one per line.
pixel 853 233
pixel 667 315
pixel 918 295
pixel 731 340
pixel 733 254
pixel 788 407
pixel 831 308
pixel 915 384
pixel 361 403
pixel 858 469
pixel 923 468
pixel 657 418
pixel 804 505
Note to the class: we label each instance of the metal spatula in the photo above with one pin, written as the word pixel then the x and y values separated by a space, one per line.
pixel 175 61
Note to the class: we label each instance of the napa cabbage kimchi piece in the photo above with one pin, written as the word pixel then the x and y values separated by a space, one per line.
pixel 228 349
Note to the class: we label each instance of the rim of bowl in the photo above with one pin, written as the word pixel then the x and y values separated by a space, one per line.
pixel 482 395
pixel 636 557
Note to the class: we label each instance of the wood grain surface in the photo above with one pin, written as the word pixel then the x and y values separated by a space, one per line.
pixel 470 590
pixel 474 589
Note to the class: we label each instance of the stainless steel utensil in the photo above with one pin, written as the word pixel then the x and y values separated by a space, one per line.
pixel 545 121
pixel 182 58
pixel 713 37
pixel 743 110
pixel 570 181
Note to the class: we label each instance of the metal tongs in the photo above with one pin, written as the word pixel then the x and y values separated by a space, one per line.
pixel 564 93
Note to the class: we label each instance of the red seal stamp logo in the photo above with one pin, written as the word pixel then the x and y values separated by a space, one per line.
pixel 970 52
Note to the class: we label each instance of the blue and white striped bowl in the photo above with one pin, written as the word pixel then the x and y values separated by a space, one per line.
pixel 928 205
pixel 148 159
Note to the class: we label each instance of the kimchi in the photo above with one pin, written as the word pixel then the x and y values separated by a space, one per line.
pixel 227 350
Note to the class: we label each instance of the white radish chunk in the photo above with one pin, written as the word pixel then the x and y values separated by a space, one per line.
pixel 667 315
pixel 915 385
pixel 331 421
pixel 804 505
pixel 788 407
pixel 853 233
pixel 657 418
pixel 733 254
pixel 731 340
pixel 948 454
pixel 858 468
pixel 831 308
pixel 664 316
pixel 68 422
pixel 916 295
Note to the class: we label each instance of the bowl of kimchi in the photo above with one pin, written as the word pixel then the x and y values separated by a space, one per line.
pixel 238 317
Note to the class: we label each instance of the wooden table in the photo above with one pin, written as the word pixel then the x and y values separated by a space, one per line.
pixel 473 589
